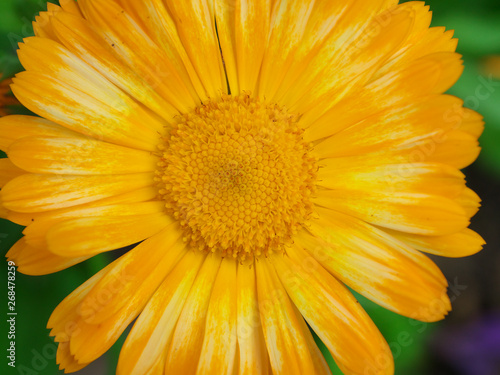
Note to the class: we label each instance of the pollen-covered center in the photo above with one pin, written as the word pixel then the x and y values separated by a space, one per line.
pixel 238 176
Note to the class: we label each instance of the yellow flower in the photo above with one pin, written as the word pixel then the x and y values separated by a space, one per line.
pixel 267 153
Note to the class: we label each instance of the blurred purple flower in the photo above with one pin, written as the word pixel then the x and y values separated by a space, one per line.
pixel 473 349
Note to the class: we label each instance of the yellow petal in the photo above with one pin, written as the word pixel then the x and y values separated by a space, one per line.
pixel 378 266
pixel 185 348
pixel 400 126
pixel 70 6
pixel 323 19
pixel 469 201
pixel 417 81
pixel 411 212
pixel 243 29
pixel 133 46
pixel 134 196
pixel 114 120
pixel 145 348
pixel 8 171
pixel 337 318
pixel 315 42
pixel 78 156
pixel 286 342
pixel 458 149
pixel 253 357
pixel 225 17
pixel 66 360
pixel 319 362
pixel 157 21
pixel 93 235
pixel 36 230
pixel 44 55
pixel 42 26
pixel 137 273
pixel 288 24
pixel 456 245
pixel 16 127
pixel 421 41
pixel 467 120
pixel 218 352
pixel 429 178
pixel 103 334
pixel 36 192
pixel 195 21
pixel 92 341
pixel 80 38
pixel 63 319
pixel 36 261
pixel 350 56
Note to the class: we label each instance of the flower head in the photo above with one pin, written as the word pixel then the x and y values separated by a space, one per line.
pixel 266 153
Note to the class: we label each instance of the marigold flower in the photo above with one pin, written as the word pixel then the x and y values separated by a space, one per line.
pixel 266 153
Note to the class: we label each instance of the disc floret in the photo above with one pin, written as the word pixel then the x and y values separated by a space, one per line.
pixel 238 176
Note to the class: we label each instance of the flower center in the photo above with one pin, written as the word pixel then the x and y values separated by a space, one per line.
pixel 238 176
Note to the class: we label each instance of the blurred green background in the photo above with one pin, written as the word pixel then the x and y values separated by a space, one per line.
pixel 418 348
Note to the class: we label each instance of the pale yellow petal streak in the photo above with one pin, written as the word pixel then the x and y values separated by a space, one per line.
pixel 36 230
pixel 82 39
pixel 38 192
pixel 218 352
pixel 416 82
pixel 330 309
pixel 135 196
pixel 325 16
pixel 427 120
pixel 412 212
pixel 160 26
pixel 428 178
pixel 80 111
pixel 132 45
pixel 72 78
pixel 94 235
pixel 344 65
pixel 253 357
pixel 286 342
pixel 196 27
pixel 320 365
pixel 78 156
pixel 288 23
pixel 144 350
pixel 252 24
pixel 125 289
pixel 16 127
pixel 142 269
pixel 378 266
pixel 184 351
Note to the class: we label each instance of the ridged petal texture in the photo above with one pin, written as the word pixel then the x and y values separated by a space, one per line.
pixel 365 80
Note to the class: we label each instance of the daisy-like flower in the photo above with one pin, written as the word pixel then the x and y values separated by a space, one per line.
pixel 268 154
